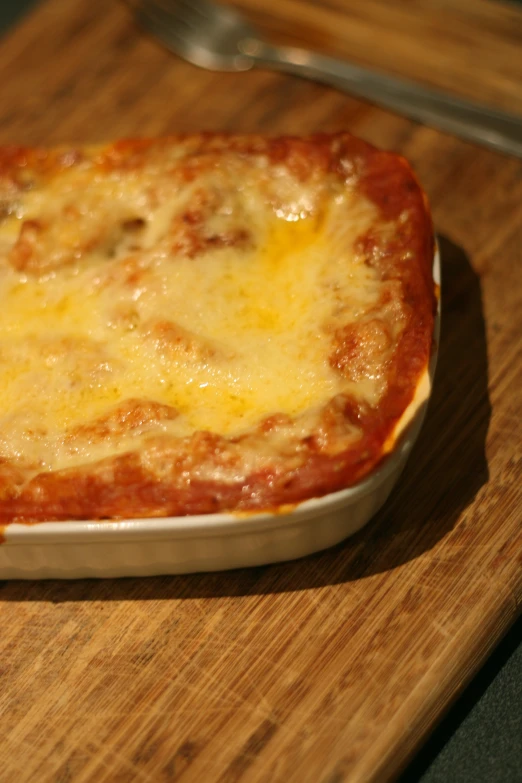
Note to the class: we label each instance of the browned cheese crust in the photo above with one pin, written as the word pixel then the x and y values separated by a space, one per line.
pixel 66 215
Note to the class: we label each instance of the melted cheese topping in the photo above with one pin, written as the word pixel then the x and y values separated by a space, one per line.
pixel 125 287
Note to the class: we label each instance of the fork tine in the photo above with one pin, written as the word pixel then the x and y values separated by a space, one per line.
pixel 196 9
pixel 200 31
pixel 205 9
pixel 161 22
pixel 172 17
pixel 179 11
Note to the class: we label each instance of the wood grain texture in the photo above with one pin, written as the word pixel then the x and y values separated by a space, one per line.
pixel 335 667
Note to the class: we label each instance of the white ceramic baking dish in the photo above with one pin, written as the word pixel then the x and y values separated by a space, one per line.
pixel 211 542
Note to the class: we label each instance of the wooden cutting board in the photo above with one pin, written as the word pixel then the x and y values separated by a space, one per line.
pixel 333 668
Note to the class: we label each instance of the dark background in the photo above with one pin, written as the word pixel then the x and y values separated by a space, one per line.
pixel 480 738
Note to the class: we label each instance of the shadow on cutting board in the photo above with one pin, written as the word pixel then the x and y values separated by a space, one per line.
pixel 445 471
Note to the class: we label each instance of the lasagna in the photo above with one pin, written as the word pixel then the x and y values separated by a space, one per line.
pixel 205 323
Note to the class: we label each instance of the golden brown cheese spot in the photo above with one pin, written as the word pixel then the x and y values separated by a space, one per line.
pixel 338 426
pixel 129 416
pixel 362 349
pixel 172 340
pixel 130 272
pixel 25 256
pixel 326 431
pixel 212 219
pixel 12 477
pixel 45 246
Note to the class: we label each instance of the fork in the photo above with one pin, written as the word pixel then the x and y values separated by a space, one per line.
pixel 218 38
